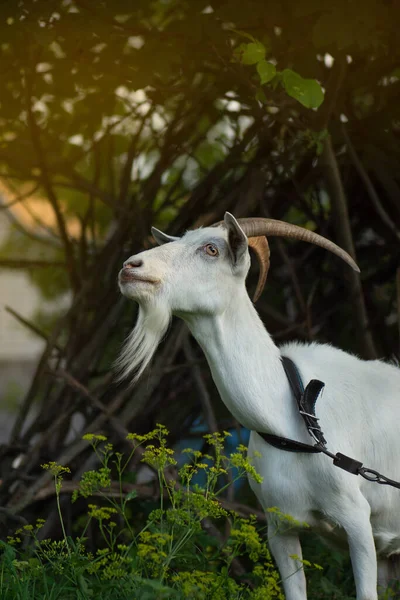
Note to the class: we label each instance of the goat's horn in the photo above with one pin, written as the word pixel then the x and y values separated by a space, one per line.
pixel 255 227
pixel 261 248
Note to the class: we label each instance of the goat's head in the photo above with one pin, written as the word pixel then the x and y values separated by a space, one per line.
pixel 199 273
pixel 191 274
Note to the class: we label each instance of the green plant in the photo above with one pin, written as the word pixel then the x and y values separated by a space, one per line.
pixel 306 91
pixel 171 556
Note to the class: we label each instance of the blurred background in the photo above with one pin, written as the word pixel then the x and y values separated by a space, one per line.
pixel 119 115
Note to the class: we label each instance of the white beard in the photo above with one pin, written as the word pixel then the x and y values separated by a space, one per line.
pixel 142 342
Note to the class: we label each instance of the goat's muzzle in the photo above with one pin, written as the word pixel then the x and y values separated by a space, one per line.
pixel 128 274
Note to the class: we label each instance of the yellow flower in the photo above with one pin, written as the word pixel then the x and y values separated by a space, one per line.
pixel 92 437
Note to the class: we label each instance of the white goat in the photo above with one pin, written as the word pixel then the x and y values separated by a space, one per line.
pixel 201 279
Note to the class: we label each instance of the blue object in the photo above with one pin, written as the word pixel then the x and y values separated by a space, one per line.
pixel 237 437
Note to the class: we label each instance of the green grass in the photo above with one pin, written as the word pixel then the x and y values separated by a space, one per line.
pixel 170 555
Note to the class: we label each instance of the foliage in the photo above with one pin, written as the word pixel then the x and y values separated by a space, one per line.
pixel 306 91
pixel 336 581
pixel 171 557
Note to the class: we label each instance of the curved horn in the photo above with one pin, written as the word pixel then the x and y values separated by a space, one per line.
pixel 257 226
pixel 261 249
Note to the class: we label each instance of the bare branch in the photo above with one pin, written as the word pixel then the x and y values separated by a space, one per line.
pixel 345 239
pixel 47 240
pixel 127 169
pixel 76 385
pixel 80 183
pixel 21 197
pixel 373 196
pixel 22 263
pixel 47 184
pixel 201 388
pixel 31 326
pixel 333 87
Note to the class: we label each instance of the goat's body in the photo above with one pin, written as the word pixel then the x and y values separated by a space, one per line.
pixel 359 411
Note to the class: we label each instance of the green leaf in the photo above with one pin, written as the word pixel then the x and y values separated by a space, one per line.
pixel 266 71
pixel 131 495
pixel 253 53
pixel 260 96
pixel 306 91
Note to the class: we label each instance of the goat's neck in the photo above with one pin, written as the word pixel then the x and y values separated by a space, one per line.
pixel 247 369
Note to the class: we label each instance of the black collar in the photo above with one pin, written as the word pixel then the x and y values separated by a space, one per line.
pixel 306 399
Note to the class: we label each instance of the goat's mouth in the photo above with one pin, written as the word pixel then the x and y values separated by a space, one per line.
pixel 130 277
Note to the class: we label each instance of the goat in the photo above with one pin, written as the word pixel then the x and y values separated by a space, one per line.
pixel 200 277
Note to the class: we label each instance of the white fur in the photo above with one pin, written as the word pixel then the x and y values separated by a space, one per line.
pixel 359 409
pixel 151 325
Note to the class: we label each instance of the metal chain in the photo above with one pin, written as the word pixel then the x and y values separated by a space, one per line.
pixel 376 477
pixel 368 474
pixel 340 460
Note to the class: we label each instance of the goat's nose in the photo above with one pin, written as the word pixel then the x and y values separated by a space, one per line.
pixel 132 263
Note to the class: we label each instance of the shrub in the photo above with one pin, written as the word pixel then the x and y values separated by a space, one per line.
pixel 172 556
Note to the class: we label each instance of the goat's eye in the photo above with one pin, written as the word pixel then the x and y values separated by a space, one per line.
pixel 211 250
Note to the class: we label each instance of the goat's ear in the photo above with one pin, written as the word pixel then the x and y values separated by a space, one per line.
pixel 237 239
pixel 162 238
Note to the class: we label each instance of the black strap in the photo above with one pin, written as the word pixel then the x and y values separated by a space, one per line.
pixel 293 375
pixel 287 444
pixel 306 400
